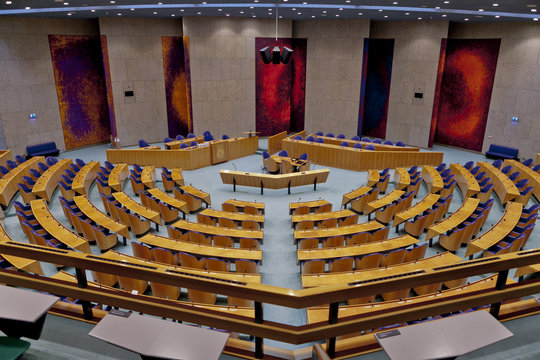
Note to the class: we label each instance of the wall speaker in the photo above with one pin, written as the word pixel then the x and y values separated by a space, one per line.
pixel 266 54
pixel 276 55
pixel 286 54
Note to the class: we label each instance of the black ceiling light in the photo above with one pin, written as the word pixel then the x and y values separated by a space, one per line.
pixel 276 55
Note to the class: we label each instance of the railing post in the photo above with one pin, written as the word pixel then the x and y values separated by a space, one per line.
pixel 500 285
pixel 82 283
pixel 259 353
pixel 234 184
pixel 332 319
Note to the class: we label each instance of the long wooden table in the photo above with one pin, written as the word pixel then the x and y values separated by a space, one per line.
pixel 177 143
pixel 137 208
pixel 85 177
pixel 526 173
pixel 385 200
pixel 48 181
pixel 466 181
pixel 357 159
pixel 312 280
pixel 185 226
pixel 240 205
pixel 94 214
pixel 318 217
pixel 416 209
pixel 216 214
pixel 505 188
pixel 355 194
pixel 169 200
pixel 378 147
pixel 465 210
pixel 312 205
pixel 337 231
pixel 9 182
pixel 187 159
pixel 402 178
pixel 502 228
pixel 199 194
pixel 270 181
pixel 118 176
pixel 56 229
pixel 356 250
pixel 202 250
pixel 432 178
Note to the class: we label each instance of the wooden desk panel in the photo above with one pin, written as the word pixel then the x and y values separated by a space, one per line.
pixel 337 231
pixel 378 147
pixel 100 218
pixel 312 280
pixel 56 229
pixel 526 173
pixel 118 176
pixel 48 181
pixel 220 151
pixel 199 194
pixel 385 200
pixel 85 177
pixel 465 210
pixel 184 226
pixel 9 182
pixel 242 146
pixel 359 160
pixel 269 181
pixel 505 188
pixel 502 228
pixel 240 205
pixel 20 263
pixel 356 250
pixel 402 178
pixel 148 176
pixel 169 200
pixel 178 177
pixel 201 250
pixel 373 177
pixel 418 208
pixel 355 194
pixel 215 214
pixel 5 155
pixel 432 178
pixel 318 217
pixel 466 181
pixel 313 205
pixel 177 143
pixel 137 208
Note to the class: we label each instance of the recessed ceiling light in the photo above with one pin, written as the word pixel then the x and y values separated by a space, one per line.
pixel 446 2
pixel 27 8
pixel 385 16
pixel 69 14
pixel 173 15
pixel 380 10
pixel 480 9
pixel 227 14
pixel 155 12
pixel 419 18
pixel 444 15
pixel 497 16
pixel 298 13
pixel 251 7
pixel 285 0
pixel 281 17
pixel 112 1
pixel 119 14
pixel 312 16
pixel 495 4
pixel 8 2
pixel 437 7
pixel 254 16
pixel 219 9
pixel 160 3
pixel 348 1
pixel 182 10
pixel 92 10
pixel 66 3
pixel 293 9
pixel 132 9
pixel 407 13
pixel 533 10
pixel 204 2
pixel 324 11
pixel 340 9
pixel 395 3
pixel 305 3
pixel 535 19
pixel 241 12
pixel 199 13
pixel 466 19
pixel 360 13
pixel 337 15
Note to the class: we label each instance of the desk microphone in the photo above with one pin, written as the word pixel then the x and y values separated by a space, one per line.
pixel 233 164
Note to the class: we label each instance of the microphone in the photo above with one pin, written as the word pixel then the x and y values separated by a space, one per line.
pixel 233 164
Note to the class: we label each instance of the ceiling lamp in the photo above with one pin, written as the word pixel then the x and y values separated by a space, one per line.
pixel 276 55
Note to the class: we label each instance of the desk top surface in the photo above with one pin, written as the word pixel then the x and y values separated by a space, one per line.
pixel 160 338
pixel 448 337
pixel 23 305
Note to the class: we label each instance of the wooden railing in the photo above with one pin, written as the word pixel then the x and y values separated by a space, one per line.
pixel 274 142
pixel 260 293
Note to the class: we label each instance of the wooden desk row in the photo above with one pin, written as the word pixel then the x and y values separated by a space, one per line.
pixel 137 208
pixel 465 210
pixel 209 230
pixel 526 173
pixel 187 159
pixel 169 200
pixel 85 177
pixel 318 217
pixel 465 180
pixel 118 176
pixel 378 147
pixel 338 231
pixel 385 200
pixel 94 214
pixel 177 143
pixel 20 263
pixel 505 189
pixel 432 179
pixel 240 205
pixel 48 181
pixel 9 182
pixel 312 205
pixel 216 214
pixel 269 181
pixel 357 193
pixel 359 160
pixel 421 206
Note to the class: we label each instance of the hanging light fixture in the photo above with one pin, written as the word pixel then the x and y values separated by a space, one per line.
pixel 276 55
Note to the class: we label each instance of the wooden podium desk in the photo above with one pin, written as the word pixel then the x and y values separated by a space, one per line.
pixel 444 338
pixel 22 312
pixel 155 338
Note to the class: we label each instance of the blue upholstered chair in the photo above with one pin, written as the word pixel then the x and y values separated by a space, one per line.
pixel 341 136
pixel 441 168
pixel 377 141
pixel 536 168
pixel 369 147
pixel 528 162
pixel 514 175
pixel 330 135
pixel 319 140
pixel 497 163
pixel 310 138
pixel 265 155
pixel 344 144
pixel 20 159
pixel 190 135
pixel 506 169
pixel 357 146
pixel 388 142
pixel 468 165
pixel 3 170
pixel 225 137
pixel 283 153
pixel 11 164
pixel 355 138
pixel 183 146
pixel 366 139
pixel 167 140
pixel 297 137
pixel 179 137
pixel 80 163
pixel 522 183
pixel 399 143
pixel 142 143
pixel 193 143
pixel 207 136
pixel 304 156
pixel 51 160
pixel 319 133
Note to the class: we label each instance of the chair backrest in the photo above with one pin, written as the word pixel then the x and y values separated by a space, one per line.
pixel 286 166
pixel 164 256
pixel 330 135
pixel 179 137
pixel 249 243
pixel 344 144
pixel 305 225
pixel 141 250
pixel 183 146
pixel 142 143
pixel 366 139
pixel 357 239
pixel 370 261
pixel 301 210
pixel 252 210
pixel 377 141
pixel 399 143
pixel 228 207
pixel 250 225
pixel 369 147
pixel 528 162
pixel 228 223
pixel 310 138
pixel 313 267
pixel 297 137
pixel 388 142
pixel 342 264
pixel 319 140
pixel 394 257
pixel 283 153
pixel 357 146
pixel 216 264
pixel 522 183
pixel 497 163
pixel 167 140
pixel 308 243
pixel 191 261
pixel 265 155
pixel 506 169
pixel 224 137
pixel 334 241
pixel 319 133
pixel 193 143
pixel 355 138
pixel 304 156
pixel 223 241
pixel 246 266
pixel 328 223
pixel 341 136
pixel 191 136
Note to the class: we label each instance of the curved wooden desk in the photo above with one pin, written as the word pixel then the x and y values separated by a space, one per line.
pixel 356 250
pixel 355 194
pixel 378 147
pixel 48 181
pixel 418 208
pixel 177 143
pixel 199 194
pixel 85 177
pixel 502 228
pixel 373 177
pixel 9 182
pixel 137 208
pixel 402 178
pixel 56 229
pixel 385 200
pixel 240 204
pixel 20 263
pixel 216 214
pixel 312 280
pixel 318 217
pixel 148 176
pixel 505 188
pixel 337 231
pixel 169 200
pixel 100 218
pixel 178 177
pixel 466 181
pixel 185 226
pixel 432 178
pixel 465 210
pixel 118 176
pixel 526 173
pixel 201 250
pixel 312 205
